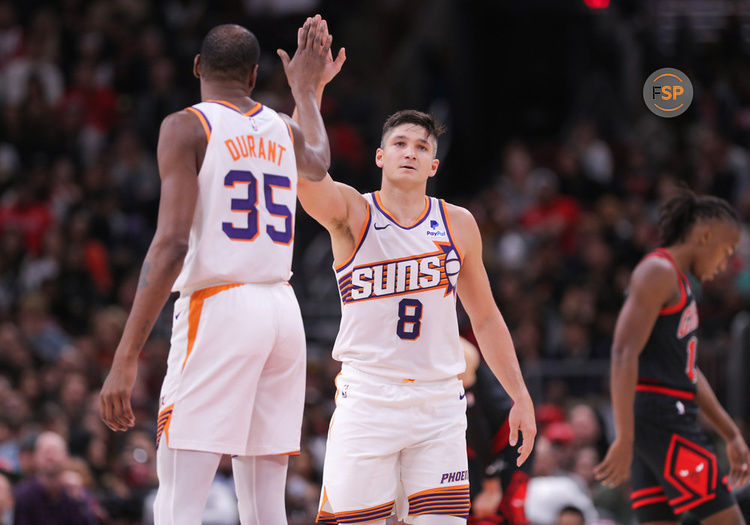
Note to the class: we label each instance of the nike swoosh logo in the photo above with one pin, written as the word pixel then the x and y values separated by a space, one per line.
pixel 381 227
pixel 178 315
pixel 462 396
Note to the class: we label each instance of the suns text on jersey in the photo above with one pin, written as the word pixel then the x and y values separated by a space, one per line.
pixel 399 276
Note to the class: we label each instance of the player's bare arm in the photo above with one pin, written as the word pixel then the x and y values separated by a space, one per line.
pixel 337 207
pixel 490 329
pixel 182 144
pixel 653 285
pixel 737 450
pixel 304 72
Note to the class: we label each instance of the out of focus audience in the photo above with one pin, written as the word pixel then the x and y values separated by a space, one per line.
pixel 565 214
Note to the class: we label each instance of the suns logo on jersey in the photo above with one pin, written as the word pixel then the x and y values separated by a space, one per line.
pixel 438 269
pixel 688 321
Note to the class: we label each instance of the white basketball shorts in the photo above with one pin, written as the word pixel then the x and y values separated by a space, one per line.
pixel 395 447
pixel 235 381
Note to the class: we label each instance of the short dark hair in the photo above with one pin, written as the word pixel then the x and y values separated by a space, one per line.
pixel 229 51
pixel 572 509
pixel 678 215
pixel 412 116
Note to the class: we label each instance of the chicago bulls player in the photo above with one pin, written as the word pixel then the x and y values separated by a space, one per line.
pixel 657 391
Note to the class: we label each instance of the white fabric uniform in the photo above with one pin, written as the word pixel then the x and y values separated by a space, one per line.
pixel 236 370
pixel 397 437
pixel 244 219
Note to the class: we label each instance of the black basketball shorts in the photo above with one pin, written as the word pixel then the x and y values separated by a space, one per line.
pixel 674 468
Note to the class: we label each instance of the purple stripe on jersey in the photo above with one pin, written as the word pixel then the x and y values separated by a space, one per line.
pixel 228 106
pixel 448 230
pixel 361 242
pixel 234 108
pixel 254 113
pixel 393 220
pixel 208 122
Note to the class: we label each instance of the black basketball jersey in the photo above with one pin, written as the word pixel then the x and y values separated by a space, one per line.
pixel 667 363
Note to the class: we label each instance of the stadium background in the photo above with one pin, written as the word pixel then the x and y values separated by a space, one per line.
pixel 549 145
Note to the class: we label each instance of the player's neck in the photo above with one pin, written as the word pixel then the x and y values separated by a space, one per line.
pixel 405 205
pixel 230 91
pixel 681 253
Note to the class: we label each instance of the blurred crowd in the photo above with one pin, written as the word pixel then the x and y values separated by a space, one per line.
pixel 564 216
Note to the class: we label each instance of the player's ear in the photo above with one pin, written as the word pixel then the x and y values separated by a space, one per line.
pixel 435 164
pixel 253 77
pixel 379 157
pixel 704 234
pixel 197 66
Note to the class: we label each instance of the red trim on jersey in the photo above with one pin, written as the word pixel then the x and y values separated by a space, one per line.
pixel 682 394
pixel 648 501
pixel 672 309
pixel 645 492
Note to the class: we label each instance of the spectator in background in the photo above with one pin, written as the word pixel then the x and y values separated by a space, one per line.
pixel 497 485
pixel 551 215
pixel 570 515
pixel 49 497
pixel 6 501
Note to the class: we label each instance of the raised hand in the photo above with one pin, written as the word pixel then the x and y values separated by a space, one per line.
pixel 333 67
pixel 306 69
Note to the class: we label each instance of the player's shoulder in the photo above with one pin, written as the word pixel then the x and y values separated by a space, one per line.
pixel 183 129
pixel 654 272
pixel 460 218
pixel 184 118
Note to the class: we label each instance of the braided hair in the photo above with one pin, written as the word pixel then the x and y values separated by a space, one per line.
pixel 678 215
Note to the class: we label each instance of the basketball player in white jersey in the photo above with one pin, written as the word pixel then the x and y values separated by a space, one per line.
pixel 236 371
pixel 396 443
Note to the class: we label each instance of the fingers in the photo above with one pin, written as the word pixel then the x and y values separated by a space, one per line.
pixel 312 33
pixel 513 434
pixel 527 444
pixel 524 451
pixel 340 58
pixel 609 474
pixel 284 57
pixel 115 411
pixel 300 38
pixel 304 34
pixel 602 471
pixel 127 411
pixel 739 474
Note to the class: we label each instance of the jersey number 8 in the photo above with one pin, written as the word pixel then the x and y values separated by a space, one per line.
pixel 409 319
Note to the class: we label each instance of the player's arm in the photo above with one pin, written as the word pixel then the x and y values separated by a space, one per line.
pixel 181 142
pixel 303 72
pixel 490 329
pixel 652 286
pixel 337 207
pixel 737 451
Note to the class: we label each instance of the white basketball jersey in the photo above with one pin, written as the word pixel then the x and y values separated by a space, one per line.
pixel 398 297
pixel 243 226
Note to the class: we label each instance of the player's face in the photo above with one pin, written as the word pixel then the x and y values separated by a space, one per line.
pixel 716 245
pixel 408 154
